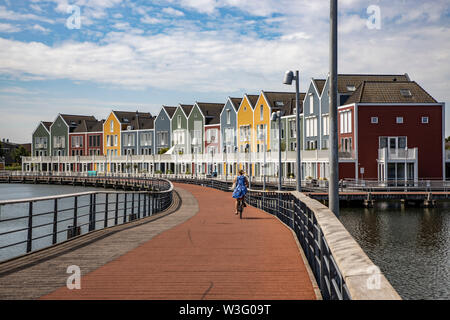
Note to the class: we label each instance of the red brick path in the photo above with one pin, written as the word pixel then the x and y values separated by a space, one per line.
pixel 214 255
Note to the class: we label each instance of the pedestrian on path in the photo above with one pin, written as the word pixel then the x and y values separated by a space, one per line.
pixel 240 184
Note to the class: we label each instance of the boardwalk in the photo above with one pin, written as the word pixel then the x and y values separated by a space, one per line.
pixel 201 251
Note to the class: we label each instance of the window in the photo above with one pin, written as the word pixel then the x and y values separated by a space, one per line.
pixel 399 119
pixel 345 120
pixel 351 88
pixel 405 93
pixel 311 127
pixel 326 125
pixel 111 126
pixel 425 119
pixel 115 140
pixel 311 103
pixel 228 116
pixel 292 128
pixel 374 120
pixel 261 113
pixel 179 122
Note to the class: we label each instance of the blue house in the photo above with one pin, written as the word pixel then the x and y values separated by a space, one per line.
pixel 163 128
pixel 138 135
pixel 228 125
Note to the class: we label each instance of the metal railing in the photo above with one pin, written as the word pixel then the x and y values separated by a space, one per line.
pixel 327 251
pixel 301 219
pixel 368 185
pixel 27 225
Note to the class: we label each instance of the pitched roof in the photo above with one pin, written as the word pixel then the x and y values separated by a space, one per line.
pixel 170 110
pixel 390 92
pixel 187 108
pixel 346 80
pixel 90 126
pixel 284 101
pixel 73 121
pixel 211 111
pixel 253 98
pixel 47 124
pixel 236 102
pixel 138 120
pixel 320 83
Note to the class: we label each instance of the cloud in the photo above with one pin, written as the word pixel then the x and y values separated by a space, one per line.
pixel 6 14
pixel 40 28
pixel 9 28
pixel 173 12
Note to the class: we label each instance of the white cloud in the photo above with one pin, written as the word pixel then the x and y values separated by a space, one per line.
pixel 6 14
pixel 9 28
pixel 40 28
pixel 173 12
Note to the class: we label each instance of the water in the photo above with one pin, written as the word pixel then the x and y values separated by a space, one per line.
pixel 65 215
pixel 410 245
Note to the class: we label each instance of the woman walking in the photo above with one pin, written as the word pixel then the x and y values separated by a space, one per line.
pixel 240 190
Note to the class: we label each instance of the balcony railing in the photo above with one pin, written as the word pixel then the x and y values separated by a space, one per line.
pixel 397 154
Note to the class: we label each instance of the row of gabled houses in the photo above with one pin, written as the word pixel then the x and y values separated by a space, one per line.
pixel 389 128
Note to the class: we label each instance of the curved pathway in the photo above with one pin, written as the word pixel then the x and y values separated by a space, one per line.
pixel 208 253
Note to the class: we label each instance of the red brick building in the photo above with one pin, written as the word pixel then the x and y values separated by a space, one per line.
pixel 394 130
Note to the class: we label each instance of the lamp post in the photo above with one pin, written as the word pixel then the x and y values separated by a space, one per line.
pixel 333 186
pixel 226 164
pixel 262 136
pixel 236 151
pixel 277 116
pixel 247 147
pixel 289 76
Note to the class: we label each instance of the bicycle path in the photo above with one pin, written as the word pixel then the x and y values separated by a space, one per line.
pixel 212 255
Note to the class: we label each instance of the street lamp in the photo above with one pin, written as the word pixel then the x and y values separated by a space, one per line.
pixel 236 151
pixel 288 77
pixel 277 116
pixel 262 136
pixel 226 164
pixel 247 147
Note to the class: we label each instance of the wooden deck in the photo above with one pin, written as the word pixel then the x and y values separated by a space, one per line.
pixel 202 251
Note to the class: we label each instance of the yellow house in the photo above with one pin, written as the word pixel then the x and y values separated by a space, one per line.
pixel 261 119
pixel 111 135
pixel 245 126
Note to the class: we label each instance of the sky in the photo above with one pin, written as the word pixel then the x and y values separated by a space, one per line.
pixel 93 56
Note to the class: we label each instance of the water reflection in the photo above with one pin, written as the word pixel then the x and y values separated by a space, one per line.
pixel 410 244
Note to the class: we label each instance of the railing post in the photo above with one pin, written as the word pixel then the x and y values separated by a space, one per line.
pixel 106 211
pixel 30 226
pixel 139 206
pixel 55 221
pixel 145 204
pixel 116 215
pixel 125 208
pixel 75 213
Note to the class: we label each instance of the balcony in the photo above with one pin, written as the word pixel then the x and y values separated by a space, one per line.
pixel 41 146
pixel 347 154
pixel 386 154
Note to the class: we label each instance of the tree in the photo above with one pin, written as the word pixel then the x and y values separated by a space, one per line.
pixel 18 153
pixel 447 139
pixel 163 150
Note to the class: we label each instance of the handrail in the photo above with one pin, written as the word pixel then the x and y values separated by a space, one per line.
pixel 87 211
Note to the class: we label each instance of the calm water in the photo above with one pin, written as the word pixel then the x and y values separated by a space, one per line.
pixel 65 216
pixel 410 245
